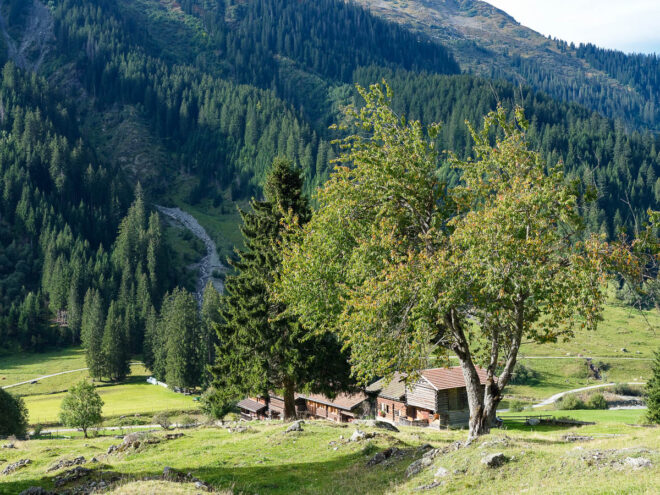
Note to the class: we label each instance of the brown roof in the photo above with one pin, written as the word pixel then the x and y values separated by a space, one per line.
pixel 445 378
pixel 342 401
pixel 395 389
pixel 251 405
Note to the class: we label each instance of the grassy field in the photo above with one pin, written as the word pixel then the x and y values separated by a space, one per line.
pixel 21 367
pixel 134 397
pixel 319 460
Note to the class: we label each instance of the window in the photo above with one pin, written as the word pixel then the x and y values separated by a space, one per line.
pixel 384 407
pixel 457 398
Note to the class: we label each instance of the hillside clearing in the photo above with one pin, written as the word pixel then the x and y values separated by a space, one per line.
pixel 265 460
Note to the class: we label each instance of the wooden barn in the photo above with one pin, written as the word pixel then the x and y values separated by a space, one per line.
pixel 440 395
pixel 390 398
pixel 437 398
pixel 342 409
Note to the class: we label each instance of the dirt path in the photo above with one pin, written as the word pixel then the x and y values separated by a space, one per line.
pixel 208 264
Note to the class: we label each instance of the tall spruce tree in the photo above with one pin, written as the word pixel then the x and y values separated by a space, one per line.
pixel 182 345
pixel 210 316
pixel 114 347
pixel 260 348
pixel 92 333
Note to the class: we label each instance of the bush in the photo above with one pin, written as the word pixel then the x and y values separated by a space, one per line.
pixel 13 415
pixel 570 402
pixel 522 375
pixel 516 406
pixel 597 401
pixel 214 406
pixel 187 421
pixel 625 389
pixel 37 430
pixel 163 420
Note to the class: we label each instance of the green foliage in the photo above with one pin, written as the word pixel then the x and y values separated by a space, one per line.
pixel 13 415
pixel 214 406
pixel 516 406
pixel 259 347
pixel 163 419
pixel 570 402
pixel 653 392
pixel 114 346
pixel 524 375
pixel 81 407
pixel 596 401
pixel 177 343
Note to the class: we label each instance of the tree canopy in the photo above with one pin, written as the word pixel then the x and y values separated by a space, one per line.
pixel 402 267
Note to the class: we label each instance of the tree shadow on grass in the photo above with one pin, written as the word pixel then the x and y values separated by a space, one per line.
pixel 342 475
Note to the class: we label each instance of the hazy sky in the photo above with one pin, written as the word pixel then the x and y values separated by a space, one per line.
pixel 627 25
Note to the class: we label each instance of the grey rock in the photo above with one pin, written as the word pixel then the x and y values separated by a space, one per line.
pixel 357 436
pixel 295 426
pixel 16 466
pixel 374 423
pixel 9 446
pixel 637 462
pixel 65 463
pixel 441 472
pixel 494 460
pixel 576 438
pixel 72 475
pixel 533 421
pixel 381 457
pixel 623 349
pixel 430 486
pixel 36 490
pixel 418 466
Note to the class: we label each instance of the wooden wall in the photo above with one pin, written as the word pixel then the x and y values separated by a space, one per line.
pixel 422 394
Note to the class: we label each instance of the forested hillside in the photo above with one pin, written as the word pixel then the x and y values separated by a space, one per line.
pixel 97 96
pixel 488 42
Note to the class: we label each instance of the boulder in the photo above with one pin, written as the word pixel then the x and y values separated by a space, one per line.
pixel 418 466
pixel 533 421
pixel 357 436
pixel 16 466
pixel 8 446
pixel 64 463
pixel 72 475
pixel 36 490
pixel 576 438
pixel 374 423
pixel 494 460
pixel 637 462
pixel 441 472
pixel 383 456
pixel 430 486
pixel 295 426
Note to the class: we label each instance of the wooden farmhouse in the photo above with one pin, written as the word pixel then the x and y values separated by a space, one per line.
pixel 342 409
pixel 438 398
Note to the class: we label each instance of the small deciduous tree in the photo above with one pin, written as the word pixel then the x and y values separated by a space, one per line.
pixel 13 415
pixel 81 407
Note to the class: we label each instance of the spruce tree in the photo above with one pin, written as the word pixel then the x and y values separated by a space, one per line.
pixel 653 392
pixel 210 316
pixel 114 348
pixel 259 348
pixel 92 333
pixel 181 329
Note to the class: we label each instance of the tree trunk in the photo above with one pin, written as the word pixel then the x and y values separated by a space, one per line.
pixel 289 400
pixel 84 432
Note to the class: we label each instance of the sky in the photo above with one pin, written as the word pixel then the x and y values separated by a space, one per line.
pixel 626 25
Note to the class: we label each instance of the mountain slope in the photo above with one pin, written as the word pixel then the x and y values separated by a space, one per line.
pixel 488 42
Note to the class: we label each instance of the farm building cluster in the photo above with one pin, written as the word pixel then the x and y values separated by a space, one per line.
pixel 438 398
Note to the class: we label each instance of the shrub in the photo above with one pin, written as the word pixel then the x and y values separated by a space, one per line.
pixel 625 389
pixel 214 406
pixel 523 375
pixel 516 406
pixel 187 421
pixel 163 420
pixel 570 402
pixel 13 415
pixel 653 392
pixel 37 430
pixel 597 401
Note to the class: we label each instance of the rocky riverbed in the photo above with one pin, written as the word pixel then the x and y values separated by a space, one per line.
pixel 209 263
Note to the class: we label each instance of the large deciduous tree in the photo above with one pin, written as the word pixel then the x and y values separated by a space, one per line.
pixel 81 407
pixel 259 348
pixel 401 266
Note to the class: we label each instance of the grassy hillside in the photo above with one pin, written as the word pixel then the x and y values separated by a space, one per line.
pixel 320 460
